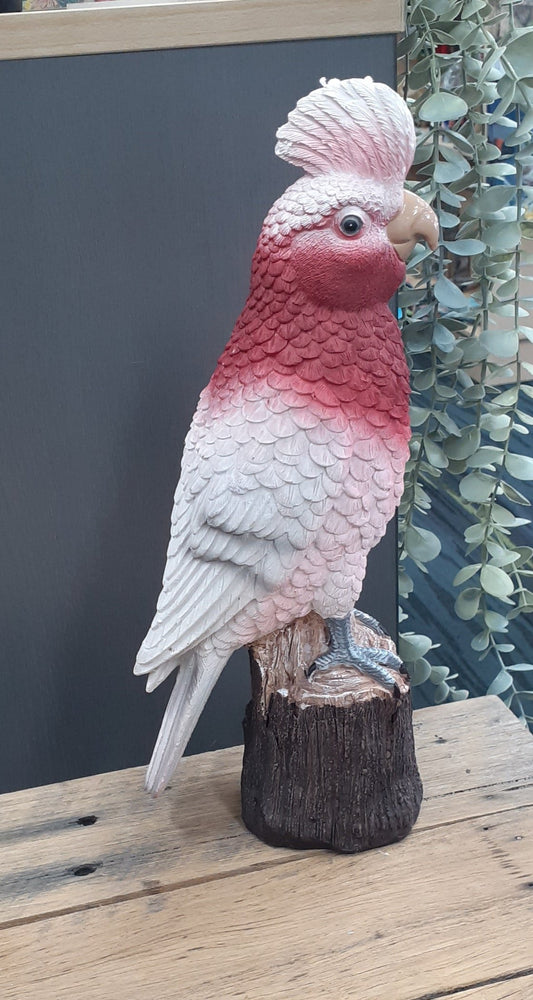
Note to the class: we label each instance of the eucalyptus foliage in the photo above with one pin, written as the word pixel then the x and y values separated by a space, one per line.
pixel 453 338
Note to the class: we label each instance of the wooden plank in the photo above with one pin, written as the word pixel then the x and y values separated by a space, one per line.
pixel 519 988
pixel 465 761
pixel 442 911
pixel 191 23
pixel 194 832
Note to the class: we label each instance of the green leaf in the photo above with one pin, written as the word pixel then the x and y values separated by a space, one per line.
pixel 499 555
pixel 526 125
pixel 449 295
pixel 439 674
pixel 411 646
pixel 480 641
pixel 450 153
pixel 498 425
pixel 445 392
pixel 447 220
pixel 451 198
pixel 441 692
pixel 506 309
pixel 420 671
pixel 497 169
pixel 421 544
pixel 457 468
pixel 435 454
pixel 521 667
pixel 518 53
pixel 489 62
pixel 507 398
pixel 525 555
pixel 474 534
pixel 445 172
pixel 418 414
pixel 491 200
pixel 442 106
pixel 508 289
pixel 519 466
pixel 465 574
pixel 465 248
pixel 405 583
pixel 421 252
pixel 513 495
pixel 459 694
pixel 459 140
pixel 526 418
pixel 465 445
pixel 473 352
pixel 503 236
pixel 425 379
pixel 486 456
pixel 502 682
pixel 496 581
pixel 467 603
pixel 504 517
pixel 446 421
pixel 497 118
pixel 443 338
pixel 500 343
pixel 417 336
pixel 407 43
pixel 496 622
pixel 476 487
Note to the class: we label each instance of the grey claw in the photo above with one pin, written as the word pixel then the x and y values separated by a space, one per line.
pixel 321 663
pixel 376 663
pixel 371 623
pixel 391 660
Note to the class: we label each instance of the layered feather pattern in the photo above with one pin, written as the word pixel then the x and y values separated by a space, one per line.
pixel 294 461
pixel 356 126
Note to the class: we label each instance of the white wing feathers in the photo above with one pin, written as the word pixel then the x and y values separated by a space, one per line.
pixel 242 511
pixel 194 683
pixel 267 492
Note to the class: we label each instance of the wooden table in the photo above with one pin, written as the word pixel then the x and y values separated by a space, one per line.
pixel 108 894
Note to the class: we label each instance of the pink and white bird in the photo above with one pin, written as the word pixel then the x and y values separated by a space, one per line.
pixel 294 461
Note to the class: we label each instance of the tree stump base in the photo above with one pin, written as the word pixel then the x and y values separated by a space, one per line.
pixel 329 762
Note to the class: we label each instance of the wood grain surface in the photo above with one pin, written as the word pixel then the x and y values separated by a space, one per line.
pixel 189 23
pixel 185 903
pixel 518 988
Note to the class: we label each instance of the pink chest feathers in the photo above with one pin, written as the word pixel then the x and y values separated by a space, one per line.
pixel 307 487
pixel 350 364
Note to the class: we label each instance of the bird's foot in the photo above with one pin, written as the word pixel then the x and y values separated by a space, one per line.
pixel 343 651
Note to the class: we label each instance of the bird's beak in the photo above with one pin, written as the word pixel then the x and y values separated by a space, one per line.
pixel 415 221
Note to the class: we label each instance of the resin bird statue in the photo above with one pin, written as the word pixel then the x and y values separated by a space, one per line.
pixel 294 461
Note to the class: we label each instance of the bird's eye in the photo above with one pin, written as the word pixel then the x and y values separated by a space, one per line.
pixel 350 225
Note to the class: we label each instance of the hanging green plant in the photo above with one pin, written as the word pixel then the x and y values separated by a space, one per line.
pixel 467 66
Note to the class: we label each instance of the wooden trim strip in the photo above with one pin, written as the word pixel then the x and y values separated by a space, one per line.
pixel 190 23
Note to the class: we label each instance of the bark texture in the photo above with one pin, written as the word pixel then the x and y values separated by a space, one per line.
pixel 328 762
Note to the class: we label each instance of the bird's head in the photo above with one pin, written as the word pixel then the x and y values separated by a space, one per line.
pixel 347 227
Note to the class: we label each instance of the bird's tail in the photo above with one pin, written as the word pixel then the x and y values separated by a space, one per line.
pixel 197 676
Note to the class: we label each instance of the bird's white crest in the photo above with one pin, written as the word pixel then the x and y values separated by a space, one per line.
pixel 354 126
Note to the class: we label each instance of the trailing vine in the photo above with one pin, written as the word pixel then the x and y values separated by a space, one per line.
pixel 466 66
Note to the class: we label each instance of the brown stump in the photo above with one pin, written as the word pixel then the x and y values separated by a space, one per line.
pixel 330 761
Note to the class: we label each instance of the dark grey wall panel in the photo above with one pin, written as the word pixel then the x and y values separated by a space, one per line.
pixel 132 191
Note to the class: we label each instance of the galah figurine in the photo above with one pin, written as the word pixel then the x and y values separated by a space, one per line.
pixel 294 461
